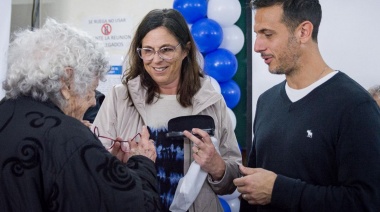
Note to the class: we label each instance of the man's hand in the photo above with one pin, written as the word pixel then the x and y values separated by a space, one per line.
pixel 256 186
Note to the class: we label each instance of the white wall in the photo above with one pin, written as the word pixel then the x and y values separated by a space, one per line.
pixel 5 23
pixel 21 14
pixel 349 40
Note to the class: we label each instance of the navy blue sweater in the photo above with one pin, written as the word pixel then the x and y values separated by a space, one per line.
pixel 325 148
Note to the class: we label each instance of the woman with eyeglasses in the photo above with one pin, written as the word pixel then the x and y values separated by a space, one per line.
pixel 163 81
pixel 49 159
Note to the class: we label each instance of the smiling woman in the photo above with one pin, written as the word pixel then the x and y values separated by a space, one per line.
pixel 165 81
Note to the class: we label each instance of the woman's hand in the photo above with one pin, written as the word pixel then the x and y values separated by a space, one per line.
pixel 118 152
pixel 205 154
pixel 144 147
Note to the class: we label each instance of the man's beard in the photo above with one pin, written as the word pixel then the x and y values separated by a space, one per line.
pixel 288 59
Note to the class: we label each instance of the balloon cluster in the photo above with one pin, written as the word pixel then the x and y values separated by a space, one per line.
pixel 212 25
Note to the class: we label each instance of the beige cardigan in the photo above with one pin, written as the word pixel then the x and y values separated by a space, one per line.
pixel 116 118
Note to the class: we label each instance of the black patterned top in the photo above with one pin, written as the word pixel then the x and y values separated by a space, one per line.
pixel 52 162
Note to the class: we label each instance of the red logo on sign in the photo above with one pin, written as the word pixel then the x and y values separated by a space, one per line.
pixel 106 29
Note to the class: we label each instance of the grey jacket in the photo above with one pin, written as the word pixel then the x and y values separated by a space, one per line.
pixel 116 118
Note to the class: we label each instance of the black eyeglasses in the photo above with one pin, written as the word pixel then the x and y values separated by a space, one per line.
pixel 110 142
pixel 165 53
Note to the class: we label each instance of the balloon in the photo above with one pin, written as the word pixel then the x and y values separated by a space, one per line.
pixel 231 93
pixel 208 34
pixel 225 205
pixel 233 117
pixel 234 195
pixel 233 39
pixel 221 64
pixel 225 12
pixel 234 204
pixel 215 84
pixel 191 10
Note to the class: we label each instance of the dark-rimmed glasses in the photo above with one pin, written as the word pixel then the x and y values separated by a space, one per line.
pixel 110 142
pixel 165 53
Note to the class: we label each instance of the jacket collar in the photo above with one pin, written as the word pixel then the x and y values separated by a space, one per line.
pixel 205 97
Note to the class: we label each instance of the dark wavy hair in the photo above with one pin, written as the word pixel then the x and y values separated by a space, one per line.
pixel 189 82
pixel 295 12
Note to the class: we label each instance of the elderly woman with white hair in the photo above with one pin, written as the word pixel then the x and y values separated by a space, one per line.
pixel 50 161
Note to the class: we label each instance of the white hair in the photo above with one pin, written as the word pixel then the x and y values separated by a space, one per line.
pixel 375 91
pixel 37 62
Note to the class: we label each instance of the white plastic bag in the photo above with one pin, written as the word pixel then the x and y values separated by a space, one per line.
pixel 189 186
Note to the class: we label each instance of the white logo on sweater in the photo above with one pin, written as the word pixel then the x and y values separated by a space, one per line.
pixel 309 134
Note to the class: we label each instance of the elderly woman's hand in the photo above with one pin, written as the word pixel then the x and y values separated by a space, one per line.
pixel 205 154
pixel 144 146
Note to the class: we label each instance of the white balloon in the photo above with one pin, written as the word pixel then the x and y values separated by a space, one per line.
pixel 228 197
pixel 234 204
pixel 233 39
pixel 215 84
pixel 225 12
pixel 233 117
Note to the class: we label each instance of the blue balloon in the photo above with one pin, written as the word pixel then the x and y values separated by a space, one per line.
pixel 192 10
pixel 225 205
pixel 231 93
pixel 221 64
pixel 208 34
